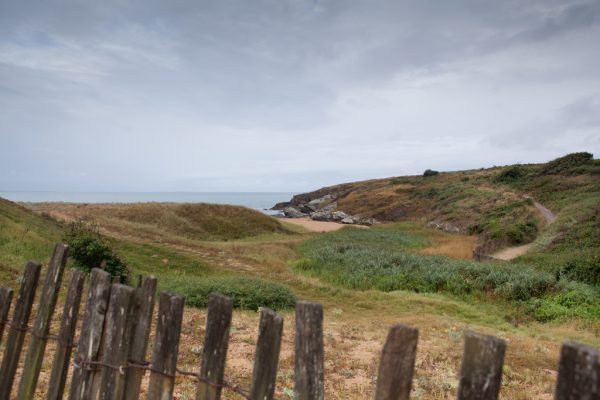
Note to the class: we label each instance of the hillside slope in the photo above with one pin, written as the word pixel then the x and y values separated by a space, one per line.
pixel 152 221
pixel 498 204
pixel 23 236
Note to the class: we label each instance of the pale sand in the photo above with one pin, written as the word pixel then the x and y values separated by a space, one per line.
pixel 315 226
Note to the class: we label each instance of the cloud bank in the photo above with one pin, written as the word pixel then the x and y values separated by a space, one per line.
pixel 288 95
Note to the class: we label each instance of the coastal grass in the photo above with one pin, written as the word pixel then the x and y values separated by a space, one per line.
pixel 246 293
pixel 170 221
pixel 381 259
pixel 24 236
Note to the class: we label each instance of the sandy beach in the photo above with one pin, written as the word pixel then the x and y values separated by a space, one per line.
pixel 316 226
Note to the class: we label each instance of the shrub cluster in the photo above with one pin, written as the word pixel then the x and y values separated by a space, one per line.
pixel 568 163
pixel 88 250
pixel 510 174
pixel 247 293
pixel 430 172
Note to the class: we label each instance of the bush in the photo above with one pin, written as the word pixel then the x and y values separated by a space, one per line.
pixel 568 163
pixel 585 268
pixel 88 250
pixel 247 293
pixel 511 174
pixel 430 172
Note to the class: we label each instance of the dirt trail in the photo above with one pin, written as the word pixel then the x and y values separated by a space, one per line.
pixel 514 252
pixel 548 215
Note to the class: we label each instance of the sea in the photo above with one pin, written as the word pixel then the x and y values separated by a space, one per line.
pixel 257 200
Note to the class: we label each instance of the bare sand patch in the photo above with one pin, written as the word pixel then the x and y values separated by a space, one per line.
pixel 316 226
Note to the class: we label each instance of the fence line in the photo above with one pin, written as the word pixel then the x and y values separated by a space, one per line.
pixel 115 328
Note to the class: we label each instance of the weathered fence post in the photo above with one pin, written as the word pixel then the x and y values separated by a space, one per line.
pixel 397 364
pixel 309 369
pixel 16 335
pixel 578 373
pixel 91 335
pixel 141 320
pixel 62 356
pixel 266 359
pixel 6 295
pixel 218 322
pixel 166 347
pixel 41 327
pixel 481 372
pixel 116 342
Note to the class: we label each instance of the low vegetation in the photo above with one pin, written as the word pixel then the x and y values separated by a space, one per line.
pixel 381 259
pixel 89 250
pixel 24 236
pixel 166 221
pixel 247 293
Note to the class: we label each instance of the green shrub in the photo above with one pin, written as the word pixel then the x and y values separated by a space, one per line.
pixel 585 268
pixel 88 250
pixel 247 293
pixel 568 163
pixel 511 174
pixel 575 299
pixel 430 172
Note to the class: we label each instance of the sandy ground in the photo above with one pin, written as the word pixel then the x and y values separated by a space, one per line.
pixel 316 226
pixel 512 252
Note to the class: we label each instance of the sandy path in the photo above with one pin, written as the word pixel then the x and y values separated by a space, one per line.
pixel 514 252
pixel 315 226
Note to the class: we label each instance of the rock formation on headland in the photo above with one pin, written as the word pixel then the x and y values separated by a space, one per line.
pixel 323 208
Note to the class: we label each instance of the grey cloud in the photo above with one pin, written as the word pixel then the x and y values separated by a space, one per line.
pixel 142 94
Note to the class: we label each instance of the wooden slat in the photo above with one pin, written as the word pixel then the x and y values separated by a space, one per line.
pixel 166 347
pixel 91 335
pixel 309 368
pixel 62 356
pixel 481 372
pixel 397 364
pixel 218 322
pixel 16 335
pixel 6 296
pixel 41 327
pixel 267 355
pixel 578 373
pixel 141 320
pixel 116 343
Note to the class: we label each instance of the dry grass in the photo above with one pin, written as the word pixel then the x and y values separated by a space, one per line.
pixel 356 322
pixel 354 336
pixel 161 220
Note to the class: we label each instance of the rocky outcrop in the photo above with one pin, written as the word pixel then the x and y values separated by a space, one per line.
pixel 322 209
pixel 447 227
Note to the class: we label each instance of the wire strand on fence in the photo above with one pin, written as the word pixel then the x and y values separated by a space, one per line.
pixel 227 384
pixel 146 366
pixel 31 331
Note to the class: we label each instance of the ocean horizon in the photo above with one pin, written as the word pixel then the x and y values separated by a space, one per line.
pixel 256 200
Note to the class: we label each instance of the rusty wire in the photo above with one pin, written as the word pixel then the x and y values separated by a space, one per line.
pixel 31 330
pixel 144 365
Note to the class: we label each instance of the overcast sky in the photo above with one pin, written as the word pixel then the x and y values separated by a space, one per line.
pixel 288 95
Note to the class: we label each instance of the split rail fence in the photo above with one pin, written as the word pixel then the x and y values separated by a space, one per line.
pixel 115 325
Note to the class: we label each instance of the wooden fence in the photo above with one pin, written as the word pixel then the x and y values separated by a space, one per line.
pixel 115 326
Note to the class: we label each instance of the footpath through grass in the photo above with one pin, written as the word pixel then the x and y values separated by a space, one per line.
pixel 381 258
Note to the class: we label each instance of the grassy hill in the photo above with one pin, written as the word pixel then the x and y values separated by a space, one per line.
pixel 166 221
pixel 498 205
pixel 24 236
